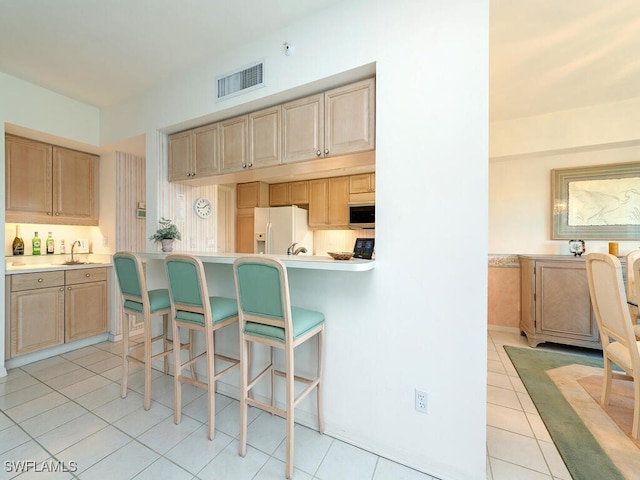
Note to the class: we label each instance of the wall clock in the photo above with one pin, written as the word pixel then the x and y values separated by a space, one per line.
pixel 203 207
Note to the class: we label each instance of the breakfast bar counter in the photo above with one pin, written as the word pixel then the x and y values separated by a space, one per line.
pixel 310 262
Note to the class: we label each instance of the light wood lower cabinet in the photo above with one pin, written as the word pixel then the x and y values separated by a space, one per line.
pixel 85 303
pixel 52 308
pixel 37 312
pixel 555 303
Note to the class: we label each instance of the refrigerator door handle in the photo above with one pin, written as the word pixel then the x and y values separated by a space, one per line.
pixel 269 239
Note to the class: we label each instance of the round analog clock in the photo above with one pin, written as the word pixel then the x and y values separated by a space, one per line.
pixel 203 207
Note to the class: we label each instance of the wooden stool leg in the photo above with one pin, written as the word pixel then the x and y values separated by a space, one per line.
pixel 244 371
pixel 290 398
pixel 211 383
pixel 177 369
pixel 194 375
pixel 319 387
pixel 147 362
pixel 125 355
pixel 165 342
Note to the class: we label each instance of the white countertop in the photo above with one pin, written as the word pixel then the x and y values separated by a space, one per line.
pixel 310 262
pixel 32 264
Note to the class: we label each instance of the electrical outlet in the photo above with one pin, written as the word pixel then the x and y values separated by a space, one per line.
pixel 421 401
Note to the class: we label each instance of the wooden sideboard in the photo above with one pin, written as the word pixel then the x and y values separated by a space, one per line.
pixel 554 301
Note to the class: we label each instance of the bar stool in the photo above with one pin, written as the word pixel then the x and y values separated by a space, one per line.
pixel 192 308
pixel 137 300
pixel 267 317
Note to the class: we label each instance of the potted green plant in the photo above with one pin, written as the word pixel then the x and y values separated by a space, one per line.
pixel 167 233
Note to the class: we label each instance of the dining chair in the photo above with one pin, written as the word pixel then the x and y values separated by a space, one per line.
pixel 633 289
pixel 619 345
pixel 267 317
pixel 137 301
pixel 194 310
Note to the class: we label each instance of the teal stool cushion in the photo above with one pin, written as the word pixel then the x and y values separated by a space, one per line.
pixel 158 300
pixel 222 308
pixel 302 319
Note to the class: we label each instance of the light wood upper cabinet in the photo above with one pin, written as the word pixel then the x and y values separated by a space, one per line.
pixel 292 193
pixel 303 129
pixel 49 184
pixel 252 194
pixel 364 183
pixel 29 174
pixel 328 203
pixel 265 137
pixel 234 144
pixel 350 119
pixel 74 185
pixel 336 122
pixel 194 153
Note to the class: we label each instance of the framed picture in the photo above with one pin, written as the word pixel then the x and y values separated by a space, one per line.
pixel 597 203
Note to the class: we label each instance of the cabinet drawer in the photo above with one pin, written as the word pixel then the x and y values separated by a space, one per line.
pixel 85 275
pixel 30 281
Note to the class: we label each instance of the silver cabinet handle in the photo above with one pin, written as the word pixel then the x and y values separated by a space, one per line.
pixel 326 151
pixel 40 280
pixel 318 153
pixel 87 274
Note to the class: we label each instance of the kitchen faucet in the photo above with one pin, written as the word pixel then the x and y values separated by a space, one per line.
pixel 77 242
pixel 292 250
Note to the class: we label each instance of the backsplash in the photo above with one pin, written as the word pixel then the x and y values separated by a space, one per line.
pixel 338 240
pixel 68 233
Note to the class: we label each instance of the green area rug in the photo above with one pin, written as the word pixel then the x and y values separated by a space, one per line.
pixel 584 457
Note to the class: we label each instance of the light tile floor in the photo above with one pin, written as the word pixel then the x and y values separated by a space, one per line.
pixel 68 409
pixel 518 443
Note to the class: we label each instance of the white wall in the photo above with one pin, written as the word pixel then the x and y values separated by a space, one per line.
pixel 523 153
pixel 431 60
pixel 30 106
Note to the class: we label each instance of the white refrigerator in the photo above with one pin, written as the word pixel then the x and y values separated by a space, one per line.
pixel 277 228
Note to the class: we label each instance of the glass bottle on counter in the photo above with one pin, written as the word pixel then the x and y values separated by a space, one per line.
pixel 35 244
pixel 50 245
pixel 63 249
pixel 18 243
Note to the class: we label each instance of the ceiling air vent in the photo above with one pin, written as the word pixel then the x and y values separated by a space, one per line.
pixel 240 81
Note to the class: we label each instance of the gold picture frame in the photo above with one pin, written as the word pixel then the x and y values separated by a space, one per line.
pixel 601 202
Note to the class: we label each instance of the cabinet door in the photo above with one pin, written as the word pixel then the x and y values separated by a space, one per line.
pixel 37 319
pixel 244 232
pixel 350 118
pixel 303 129
pixel 265 137
pixel 207 152
pixel 85 310
pixel 180 156
pixel 74 186
pixel 299 193
pixel 364 183
pixel 318 203
pixel 252 194
pixel 338 201
pixel 279 194
pixel 233 144
pixel 563 305
pixel 28 177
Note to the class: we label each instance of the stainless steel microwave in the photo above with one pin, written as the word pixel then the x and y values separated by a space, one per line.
pixel 362 216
